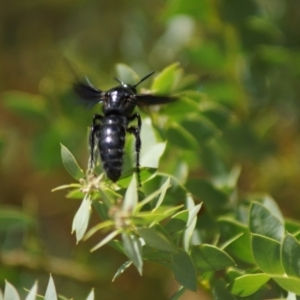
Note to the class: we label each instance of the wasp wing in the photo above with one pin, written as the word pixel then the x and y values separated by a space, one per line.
pixel 148 99
pixel 88 94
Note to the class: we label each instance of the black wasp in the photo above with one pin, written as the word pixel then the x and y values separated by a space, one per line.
pixel 108 131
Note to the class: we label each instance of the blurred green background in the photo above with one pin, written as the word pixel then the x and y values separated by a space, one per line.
pixel 246 55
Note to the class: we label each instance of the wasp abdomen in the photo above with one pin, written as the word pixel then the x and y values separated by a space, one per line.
pixel 111 144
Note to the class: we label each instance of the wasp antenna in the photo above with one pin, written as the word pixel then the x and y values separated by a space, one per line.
pixel 117 79
pixel 144 78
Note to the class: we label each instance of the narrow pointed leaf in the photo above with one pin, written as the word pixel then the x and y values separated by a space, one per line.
pixel 133 250
pixel 71 164
pixel 33 292
pixel 192 220
pixel 51 291
pixel 81 219
pixel 122 269
pixel 91 295
pixel 131 196
pixel 66 186
pixel 92 231
pixel 163 190
pixel 107 239
pixel 10 293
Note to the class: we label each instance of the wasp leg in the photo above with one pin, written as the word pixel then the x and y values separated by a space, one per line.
pixel 96 125
pixel 136 132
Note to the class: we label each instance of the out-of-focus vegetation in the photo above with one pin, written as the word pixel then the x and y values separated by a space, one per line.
pixel 246 57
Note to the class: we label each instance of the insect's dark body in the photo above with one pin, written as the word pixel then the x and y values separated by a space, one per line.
pixel 111 143
pixel 109 130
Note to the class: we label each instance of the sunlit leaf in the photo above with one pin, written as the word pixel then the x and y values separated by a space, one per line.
pixel 263 222
pixel 107 239
pixel 248 284
pixel 163 83
pixel 91 295
pixel 163 190
pixel 131 196
pixel 81 219
pixel 51 291
pixel 192 220
pixel 33 292
pixel 133 250
pixel 151 158
pixel 290 284
pixel 102 225
pixel 10 293
pixel 126 74
pixel 71 164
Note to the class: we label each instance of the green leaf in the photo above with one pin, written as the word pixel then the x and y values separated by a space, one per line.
pixel 290 255
pixel 177 135
pixel 150 159
pixel 263 222
pixel 149 198
pixel 290 284
pixel 163 191
pixel 163 83
pixel 107 239
pixel 10 293
pixel 156 239
pixel 66 186
pixel 131 196
pixel 122 269
pixel 71 164
pixel 177 223
pixel 248 284
pixel 102 225
pixel 266 253
pixel 32 293
pixel 126 74
pixel 184 270
pixel 51 291
pixel 208 258
pixel 240 246
pixel 133 249
pixel 201 128
pixel 82 218
pixel 269 203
